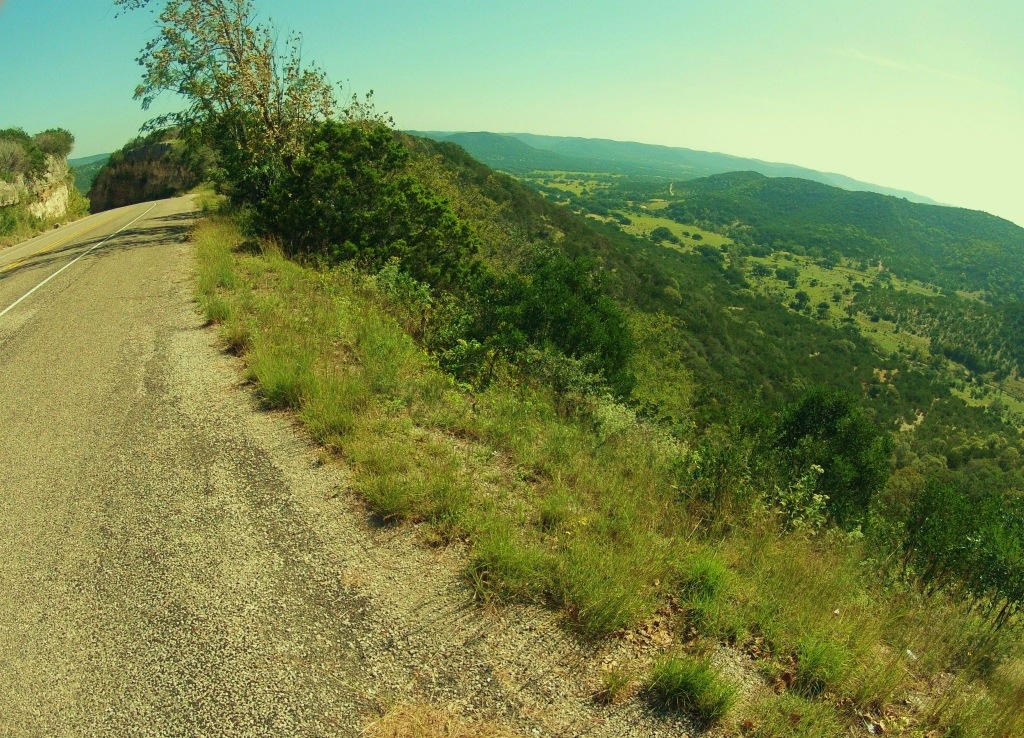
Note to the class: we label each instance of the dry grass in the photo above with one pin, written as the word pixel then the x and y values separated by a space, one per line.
pixel 422 720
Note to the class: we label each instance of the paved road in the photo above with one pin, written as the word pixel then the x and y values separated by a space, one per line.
pixel 148 582
pixel 174 563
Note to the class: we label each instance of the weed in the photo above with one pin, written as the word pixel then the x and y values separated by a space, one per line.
pixel 615 684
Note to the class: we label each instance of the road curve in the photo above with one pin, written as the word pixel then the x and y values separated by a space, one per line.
pixel 149 584
pixel 175 563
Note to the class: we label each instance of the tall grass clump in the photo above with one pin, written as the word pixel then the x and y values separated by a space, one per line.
pixel 820 665
pixel 685 684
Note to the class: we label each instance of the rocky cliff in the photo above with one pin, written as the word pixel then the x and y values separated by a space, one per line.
pixel 147 169
pixel 36 185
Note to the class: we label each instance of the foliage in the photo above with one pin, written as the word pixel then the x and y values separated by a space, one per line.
pixel 56 142
pixel 349 197
pixel 19 154
pixel 826 429
pixel 256 101
pixel 958 535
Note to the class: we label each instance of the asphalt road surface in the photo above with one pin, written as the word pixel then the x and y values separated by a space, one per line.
pixel 174 562
pixel 150 572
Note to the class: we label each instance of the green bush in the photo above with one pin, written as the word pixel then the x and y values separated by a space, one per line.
pixel 56 142
pixel 349 197
pixel 828 429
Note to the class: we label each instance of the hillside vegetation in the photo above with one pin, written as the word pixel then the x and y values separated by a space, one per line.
pixel 669 502
pixel 661 439
pixel 86 169
pixel 36 189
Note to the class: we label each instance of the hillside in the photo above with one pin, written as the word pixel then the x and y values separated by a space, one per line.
pixel 521 153
pixel 86 169
pixel 953 248
pixel 631 429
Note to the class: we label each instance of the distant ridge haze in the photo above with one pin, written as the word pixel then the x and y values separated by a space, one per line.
pixel 520 153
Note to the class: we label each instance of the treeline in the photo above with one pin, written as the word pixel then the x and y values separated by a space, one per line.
pixel 22 155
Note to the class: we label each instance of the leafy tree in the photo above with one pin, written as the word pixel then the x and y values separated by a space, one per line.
pixel 253 100
pixel 826 428
pixel 661 233
pixel 56 142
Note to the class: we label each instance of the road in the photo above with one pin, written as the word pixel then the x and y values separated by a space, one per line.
pixel 150 583
pixel 174 562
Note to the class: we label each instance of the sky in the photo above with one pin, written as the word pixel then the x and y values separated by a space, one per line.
pixel 920 95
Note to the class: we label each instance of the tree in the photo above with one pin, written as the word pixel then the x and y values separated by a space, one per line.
pixel 56 142
pixel 255 102
pixel 827 429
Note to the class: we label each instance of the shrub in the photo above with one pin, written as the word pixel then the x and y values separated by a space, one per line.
pixel 349 197
pixel 828 429
pixel 56 142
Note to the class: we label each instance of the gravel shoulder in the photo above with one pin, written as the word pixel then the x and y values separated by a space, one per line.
pixel 175 562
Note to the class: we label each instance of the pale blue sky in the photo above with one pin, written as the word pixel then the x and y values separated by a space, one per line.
pixel 924 96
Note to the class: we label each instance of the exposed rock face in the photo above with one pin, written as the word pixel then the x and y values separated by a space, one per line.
pixel 53 203
pixel 46 196
pixel 145 173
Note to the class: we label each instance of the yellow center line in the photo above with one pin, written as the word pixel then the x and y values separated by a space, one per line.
pixel 60 242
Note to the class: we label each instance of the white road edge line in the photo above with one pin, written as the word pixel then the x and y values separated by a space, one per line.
pixel 17 302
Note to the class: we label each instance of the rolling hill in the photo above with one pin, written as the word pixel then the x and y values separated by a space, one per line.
pixel 520 153
pixel 86 169
pixel 954 248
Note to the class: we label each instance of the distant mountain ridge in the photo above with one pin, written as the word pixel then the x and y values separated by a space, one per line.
pixel 520 153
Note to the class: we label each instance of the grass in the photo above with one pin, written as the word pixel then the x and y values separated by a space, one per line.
pixel 577 505
pixel 792 716
pixel 820 665
pixel 644 223
pixel 682 683
pixel 616 684
pixel 423 720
